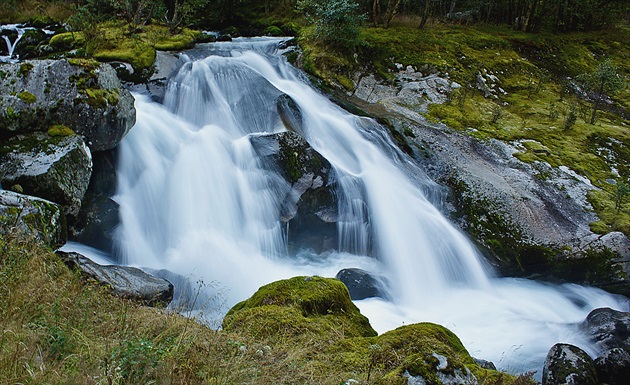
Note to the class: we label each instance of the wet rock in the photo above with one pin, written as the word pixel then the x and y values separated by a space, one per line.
pixel 290 113
pixel 83 95
pixel 613 367
pixel 30 216
pixel 99 215
pixel 125 281
pixel 608 328
pixel 568 364
pixel 56 168
pixel 310 206
pixel 360 283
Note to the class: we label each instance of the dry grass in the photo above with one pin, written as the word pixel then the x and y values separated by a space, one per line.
pixel 18 11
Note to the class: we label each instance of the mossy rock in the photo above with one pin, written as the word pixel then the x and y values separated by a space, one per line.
pixel 299 304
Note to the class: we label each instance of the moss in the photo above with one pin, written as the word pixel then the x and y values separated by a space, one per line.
pixel 25 69
pixel 60 130
pixel 67 40
pixel 321 300
pixel 599 227
pixel 272 30
pixel 27 97
pixel 101 98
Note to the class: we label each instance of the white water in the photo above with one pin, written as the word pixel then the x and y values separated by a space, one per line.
pixel 11 45
pixel 197 200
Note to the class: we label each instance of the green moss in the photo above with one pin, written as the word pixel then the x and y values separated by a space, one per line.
pixel 27 97
pixel 67 40
pixel 599 227
pixel 60 130
pixel 25 69
pixel 101 98
pixel 272 30
pixel 321 301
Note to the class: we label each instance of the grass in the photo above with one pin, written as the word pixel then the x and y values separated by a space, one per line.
pixel 56 327
pixel 19 11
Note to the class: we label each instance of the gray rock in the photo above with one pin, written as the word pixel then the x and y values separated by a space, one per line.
pixel 570 365
pixel 56 168
pixel 608 328
pixel 125 281
pixel 30 216
pixel 613 367
pixel 88 98
pixel 485 364
pixel 445 373
pixel 361 284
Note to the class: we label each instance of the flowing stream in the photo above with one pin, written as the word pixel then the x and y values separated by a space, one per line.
pixel 198 201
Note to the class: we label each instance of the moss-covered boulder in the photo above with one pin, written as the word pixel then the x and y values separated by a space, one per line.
pixel 568 364
pixel 299 306
pixel 32 217
pixel 53 167
pixel 83 95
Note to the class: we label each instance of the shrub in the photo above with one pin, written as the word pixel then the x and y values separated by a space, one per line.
pixel 336 22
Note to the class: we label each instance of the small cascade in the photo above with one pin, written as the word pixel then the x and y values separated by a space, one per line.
pixel 11 45
pixel 197 200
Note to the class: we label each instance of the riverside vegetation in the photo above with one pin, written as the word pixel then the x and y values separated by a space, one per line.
pixel 75 331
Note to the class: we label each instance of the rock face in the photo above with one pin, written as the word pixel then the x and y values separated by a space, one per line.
pixel 310 206
pixel 56 168
pixel 568 364
pixel 32 216
pixel 128 282
pixel 530 219
pixel 613 367
pixel 85 96
pixel 361 284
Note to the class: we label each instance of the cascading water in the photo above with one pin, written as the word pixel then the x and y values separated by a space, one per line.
pixel 197 200
pixel 11 45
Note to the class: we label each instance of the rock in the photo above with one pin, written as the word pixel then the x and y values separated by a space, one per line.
pixel 425 353
pixel 613 367
pixel 485 364
pixel 29 45
pixel 99 215
pixel 290 114
pixel 296 306
pixel 568 364
pixel 361 284
pixel 125 281
pixel 56 168
pixel 83 95
pixel 310 206
pixel 608 328
pixel 30 216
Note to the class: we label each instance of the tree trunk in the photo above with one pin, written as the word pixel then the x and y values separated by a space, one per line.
pixel 392 9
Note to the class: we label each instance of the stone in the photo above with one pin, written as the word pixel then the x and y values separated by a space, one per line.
pixel 81 94
pixel 570 365
pixel 56 168
pixel 613 367
pixel 608 328
pixel 32 217
pixel 361 284
pixel 125 281
pixel 99 216
pixel 310 205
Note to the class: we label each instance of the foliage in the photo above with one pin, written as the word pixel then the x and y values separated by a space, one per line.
pixel 602 82
pixel 336 21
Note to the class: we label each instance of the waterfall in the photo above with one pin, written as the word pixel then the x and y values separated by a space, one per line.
pixel 11 46
pixel 197 200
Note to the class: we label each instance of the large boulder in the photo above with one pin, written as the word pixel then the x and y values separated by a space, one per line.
pixel 613 367
pixel 32 217
pixel 608 328
pixel 125 281
pixel 296 306
pixel 83 95
pixel 570 365
pixel 310 206
pixel 55 167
